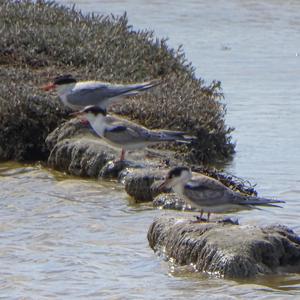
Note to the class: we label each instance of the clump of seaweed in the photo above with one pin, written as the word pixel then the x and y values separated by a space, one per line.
pixel 46 39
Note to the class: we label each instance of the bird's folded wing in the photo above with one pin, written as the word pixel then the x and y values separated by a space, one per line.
pixel 89 96
pixel 123 134
pixel 206 193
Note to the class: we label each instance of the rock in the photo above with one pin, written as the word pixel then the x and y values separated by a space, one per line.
pixel 138 184
pixel 225 249
pixel 113 168
pixel 170 201
pixel 76 150
pixel 80 157
pixel 67 130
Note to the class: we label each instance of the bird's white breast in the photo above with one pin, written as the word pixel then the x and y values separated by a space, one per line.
pixel 99 125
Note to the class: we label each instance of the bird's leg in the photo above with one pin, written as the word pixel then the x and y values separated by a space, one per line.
pixel 200 218
pixel 122 157
pixel 201 214
pixel 208 215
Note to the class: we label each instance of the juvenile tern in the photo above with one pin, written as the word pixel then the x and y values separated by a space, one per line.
pixel 121 133
pixel 208 194
pixel 79 94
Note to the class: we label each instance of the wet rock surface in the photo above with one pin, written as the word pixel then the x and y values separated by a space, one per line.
pixel 224 249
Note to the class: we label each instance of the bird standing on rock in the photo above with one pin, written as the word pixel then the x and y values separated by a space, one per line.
pixel 208 194
pixel 79 94
pixel 121 133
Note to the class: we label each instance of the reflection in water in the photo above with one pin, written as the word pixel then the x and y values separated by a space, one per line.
pixel 61 236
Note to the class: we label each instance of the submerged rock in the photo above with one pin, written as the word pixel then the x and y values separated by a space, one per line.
pixel 227 250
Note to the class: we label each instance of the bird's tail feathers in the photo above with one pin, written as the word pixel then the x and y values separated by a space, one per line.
pixel 262 201
pixel 179 136
pixel 136 88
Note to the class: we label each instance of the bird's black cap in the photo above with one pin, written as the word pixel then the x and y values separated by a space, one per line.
pixel 176 172
pixel 64 79
pixel 94 109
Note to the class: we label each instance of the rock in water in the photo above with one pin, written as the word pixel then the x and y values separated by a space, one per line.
pixel 138 184
pixel 227 250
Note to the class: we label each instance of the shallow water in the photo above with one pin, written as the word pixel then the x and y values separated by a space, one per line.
pixel 63 237
pixel 69 238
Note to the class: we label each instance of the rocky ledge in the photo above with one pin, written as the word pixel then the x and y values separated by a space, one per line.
pixel 225 249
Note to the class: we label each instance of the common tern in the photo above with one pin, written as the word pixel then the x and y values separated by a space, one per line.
pixel 79 94
pixel 121 133
pixel 208 194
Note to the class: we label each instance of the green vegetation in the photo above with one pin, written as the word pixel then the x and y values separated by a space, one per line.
pixel 41 40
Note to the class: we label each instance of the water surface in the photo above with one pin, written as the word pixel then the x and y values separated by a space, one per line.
pixel 64 237
pixel 68 238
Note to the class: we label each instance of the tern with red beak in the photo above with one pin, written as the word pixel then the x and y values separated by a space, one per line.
pixel 208 194
pixel 126 135
pixel 79 94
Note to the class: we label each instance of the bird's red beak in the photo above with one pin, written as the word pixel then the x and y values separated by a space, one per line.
pixel 48 87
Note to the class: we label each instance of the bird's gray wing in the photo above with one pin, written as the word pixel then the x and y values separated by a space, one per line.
pixel 98 92
pixel 91 96
pixel 121 134
pixel 206 192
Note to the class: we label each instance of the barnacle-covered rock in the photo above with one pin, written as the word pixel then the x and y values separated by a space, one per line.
pixel 226 250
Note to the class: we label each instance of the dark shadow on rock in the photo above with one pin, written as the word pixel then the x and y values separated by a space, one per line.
pixel 224 249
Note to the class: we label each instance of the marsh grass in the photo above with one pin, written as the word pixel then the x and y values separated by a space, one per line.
pixel 43 39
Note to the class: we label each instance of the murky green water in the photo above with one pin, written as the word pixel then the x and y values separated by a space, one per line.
pixel 66 238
